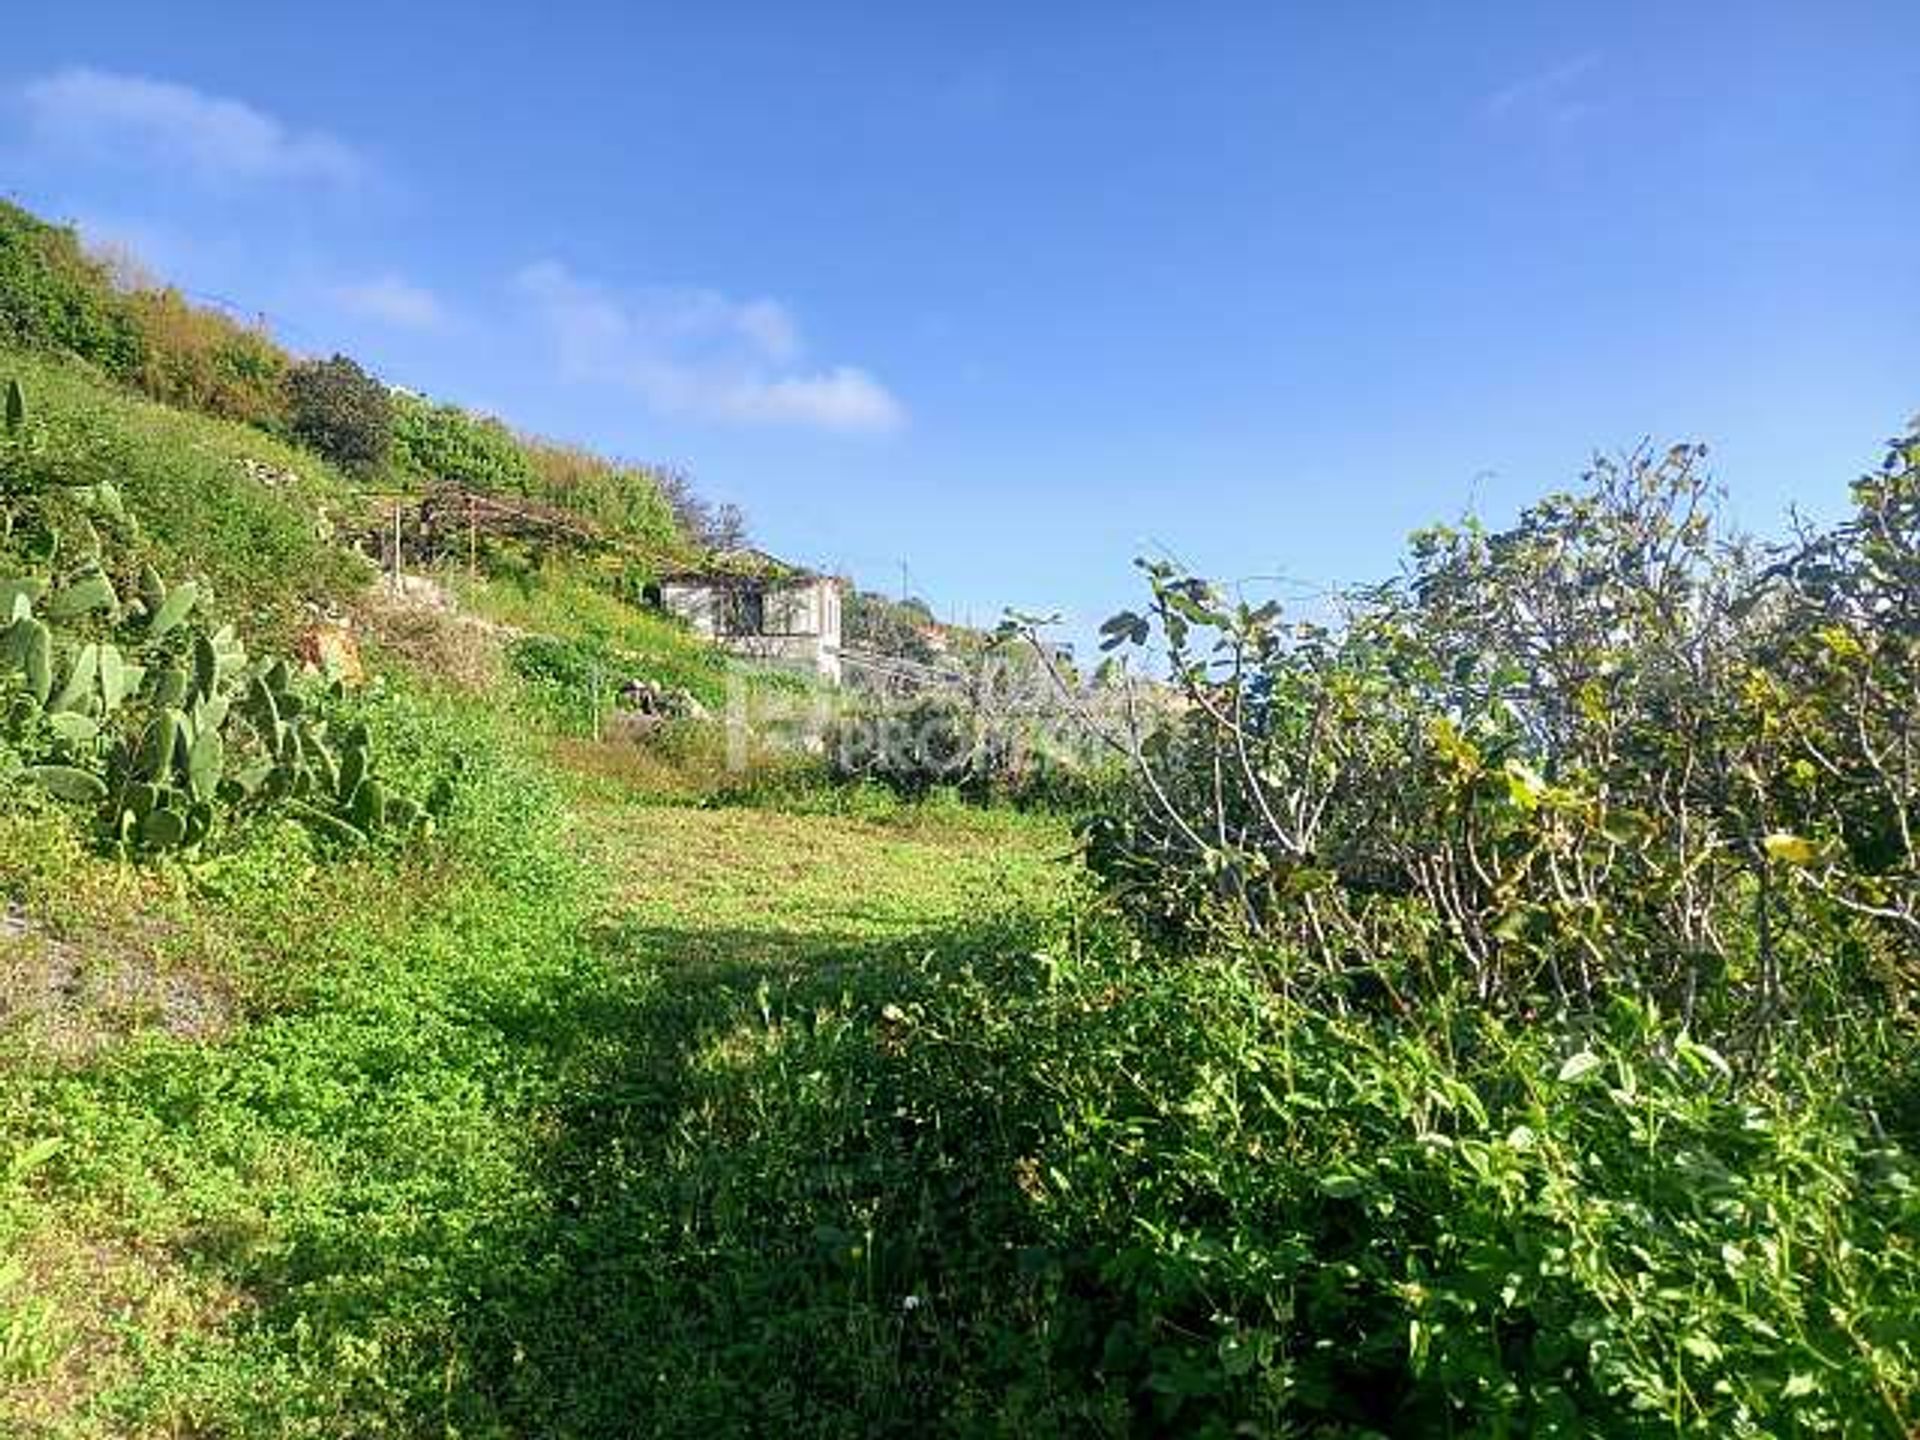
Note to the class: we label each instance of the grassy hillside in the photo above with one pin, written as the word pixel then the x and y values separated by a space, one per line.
pixel 570 603
pixel 255 516
pixel 57 299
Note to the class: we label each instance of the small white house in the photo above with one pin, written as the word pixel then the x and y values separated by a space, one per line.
pixel 763 609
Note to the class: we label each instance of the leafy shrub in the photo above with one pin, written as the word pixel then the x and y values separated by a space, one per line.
pixel 564 598
pixel 912 745
pixel 54 296
pixel 979 741
pixel 341 411
pixel 887 627
pixel 1259 1215
pixel 1609 751
pixel 444 442
pixel 490 803
pixel 199 359
pixel 627 501
pixel 573 681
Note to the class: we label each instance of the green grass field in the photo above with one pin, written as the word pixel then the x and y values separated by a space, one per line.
pixel 468 1128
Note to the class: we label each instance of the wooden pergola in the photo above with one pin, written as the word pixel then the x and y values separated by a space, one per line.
pixel 449 517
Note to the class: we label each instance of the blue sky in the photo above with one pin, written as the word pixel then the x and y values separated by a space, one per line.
pixel 1014 293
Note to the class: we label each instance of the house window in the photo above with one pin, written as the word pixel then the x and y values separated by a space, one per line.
pixel 745 610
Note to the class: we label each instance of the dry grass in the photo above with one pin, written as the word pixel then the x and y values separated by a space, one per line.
pixel 118 957
pixel 65 1002
pixel 72 1339
pixel 462 651
pixel 632 766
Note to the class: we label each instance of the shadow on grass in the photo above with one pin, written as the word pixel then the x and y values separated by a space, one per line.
pixel 780 1196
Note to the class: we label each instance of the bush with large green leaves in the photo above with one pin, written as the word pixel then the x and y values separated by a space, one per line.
pixel 895 628
pixel 1611 750
pixel 1252 1216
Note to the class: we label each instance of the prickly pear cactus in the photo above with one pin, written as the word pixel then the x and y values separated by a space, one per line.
pixel 166 727
pixel 118 693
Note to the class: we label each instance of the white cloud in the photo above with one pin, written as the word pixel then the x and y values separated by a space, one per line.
pixel 699 353
pixel 97 113
pixel 393 301
pixel 1550 94
pixel 767 324
pixel 843 398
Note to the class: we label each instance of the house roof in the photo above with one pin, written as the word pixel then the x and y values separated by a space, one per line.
pixel 730 567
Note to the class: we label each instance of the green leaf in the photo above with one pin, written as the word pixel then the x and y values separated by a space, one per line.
pixel 206 759
pixel 330 826
pixel 1789 849
pixel 106 496
pixel 1341 1186
pixel 73 727
pixel 206 666
pixel 37 650
pixel 1702 1058
pixel 164 829
pixel 1579 1066
pixel 94 592
pixel 1702 1347
pixel 353 770
pixel 153 590
pixel 79 683
pixel 113 677
pixel 64 782
pixel 1524 786
pixel 26 587
pixel 170 687
pixel 156 750
pixel 1126 628
pixel 33 1157
pixel 173 609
